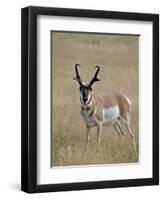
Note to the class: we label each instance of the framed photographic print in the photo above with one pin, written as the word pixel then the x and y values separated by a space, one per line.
pixel 90 99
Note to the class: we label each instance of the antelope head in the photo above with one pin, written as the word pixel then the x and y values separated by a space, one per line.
pixel 85 88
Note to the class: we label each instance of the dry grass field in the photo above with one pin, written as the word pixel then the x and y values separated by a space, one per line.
pixel 117 55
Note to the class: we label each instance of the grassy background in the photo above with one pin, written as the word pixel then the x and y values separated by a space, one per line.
pixel 117 55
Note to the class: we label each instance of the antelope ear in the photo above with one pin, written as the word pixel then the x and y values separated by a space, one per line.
pixel 74 78
pixel 90 87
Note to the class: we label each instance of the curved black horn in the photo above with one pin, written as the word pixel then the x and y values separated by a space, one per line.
pixel 95 76
pixel 77 78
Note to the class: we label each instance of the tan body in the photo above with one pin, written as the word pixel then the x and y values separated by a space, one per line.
pixel 107 110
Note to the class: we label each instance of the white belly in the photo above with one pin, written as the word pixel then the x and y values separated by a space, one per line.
pixel 110 116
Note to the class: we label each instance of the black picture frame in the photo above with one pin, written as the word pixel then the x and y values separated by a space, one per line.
pixel 29 99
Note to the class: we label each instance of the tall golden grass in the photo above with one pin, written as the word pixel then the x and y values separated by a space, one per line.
pixel 117 55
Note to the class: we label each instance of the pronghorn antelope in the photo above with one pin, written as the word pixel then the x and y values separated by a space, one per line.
pixel 111 109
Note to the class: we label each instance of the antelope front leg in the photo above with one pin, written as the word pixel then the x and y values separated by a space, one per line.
pixel 99 127
pixel 88 128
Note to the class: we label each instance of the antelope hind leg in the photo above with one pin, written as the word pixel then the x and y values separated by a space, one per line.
pixel 118 128
pixel 99 127
pixel 126 124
